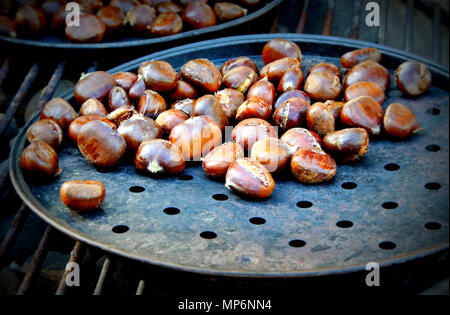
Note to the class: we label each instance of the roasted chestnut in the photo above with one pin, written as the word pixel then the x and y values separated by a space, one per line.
pixel 140 17
pixel 279 49
pixel 182 91
pixel 170 118
pixel 291 94
pixel 39 158
pixel 272 153
pixel 96 84
pixel 101 144
pixel 238 62
pixel 165 24
pixel 93 107
pixel 336 108
pixel 199 15
pixel 230 100
pixel 151 104
pixel 30 20
pixel 91 6
pixel 159 157
pixel 196 137
pixel 320 119
pixel 186 2
pixel 365 89
pixel 203 74
pixel 185 105
pixel 91 30
pixel 413 78
pixel 240 78
pixel 291 113
pixel 300 138
pixel 137 129
pixel 367 71
pixel 248 131
pixel 364 112
pixel 59 19
pixel 121 114
pixel 7 27
pixel 250 178
pixel 82 195
pixel 125 5
pixel 137 89
pixel 46 130
pixel 347 145
pixel 60 111
pixel 50 7
pixel 350 59
pixel 311 166
pixel 76 125
pixel 263 90
pixel 323 86
pixel 226 11
pixel 254 108
pixel 169 6
pixel 158 75
pixel 117 97
pixel 113 17
pixel 326 66
pixel 209 105
pixel 400 121
pixel 217 162
pixel 291 80
pixel 275 70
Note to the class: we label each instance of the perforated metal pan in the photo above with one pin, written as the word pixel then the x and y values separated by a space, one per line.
pixel 389 208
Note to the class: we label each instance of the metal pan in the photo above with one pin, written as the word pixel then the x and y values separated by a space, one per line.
pixel 58 42
pixel 397 210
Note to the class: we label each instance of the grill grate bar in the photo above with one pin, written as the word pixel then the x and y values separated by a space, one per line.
pixel 36 262
pixel 276 18
pixel 437 12
pixel 101 279
pixel 50 89
pixel 13 231
pixel 409 25
pixel 383 22
pixel 302 21
pixel 75 255
pixel 5 69
pixel 140 288
pixel 328 21
pixel 354 32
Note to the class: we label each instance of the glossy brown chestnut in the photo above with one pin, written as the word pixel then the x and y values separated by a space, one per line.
pixel 326 66
pixel 165 24
pixel 113 17
pixel 350 59
pixel 158 75
pixel 137 89
pixel 274 71
pixel 367 71
pixel 140 17
pixel 7 27
pixel 94 85
pixel 169 6
pixel 413 78
pixel 364 112
pixel 272 153
pixel 230 100
pixel 199 15
pixel 279 49
pixel 209 105
pixel 291 80
pixel 248 131
pixel 185 106
pixel 254 108
pixel 82 195
pixel 203 74
pixel 263 90
pixel 240 78
pixel 91 30
pixel 238 62
pixel 125 5
pixel 182 91
pixel 249 178
pixel 76 125
pixel 365 89
pixel 117 97
pixel 159 157
pixel 226 11
pixel 93 107
pixel 151 104
pixel 291 113
pixel 196 137
pixel 101 144
pixel 39 158
pixel 120 115
pixel 320 119
pixel 217 162
pixel 30 20
pixel 323 86
pixel 301 138
pixel 311 166
pixel 347 145
pixel 170 118
pixel 137 129
pixel 291 94
pixel 91 6
pixel 59 19
pixel 400 121
pixel 336 108
pixel 60 111
pixel 186 2
pixel 45 130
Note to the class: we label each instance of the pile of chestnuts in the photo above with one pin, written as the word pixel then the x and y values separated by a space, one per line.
pixel 112 18
pixel 323 120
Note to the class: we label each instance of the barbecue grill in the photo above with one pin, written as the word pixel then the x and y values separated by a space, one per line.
pixel 404 252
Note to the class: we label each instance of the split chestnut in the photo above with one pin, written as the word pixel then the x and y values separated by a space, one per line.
pixel 159 157
pixel 217 162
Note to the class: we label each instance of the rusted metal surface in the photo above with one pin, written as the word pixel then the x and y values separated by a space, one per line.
pixel 50 89
pixel 301 236
pixel 101 279
pixel 328 21
pixel 13 232
pixel 5 69
pixel 354 32
pixel 302 21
